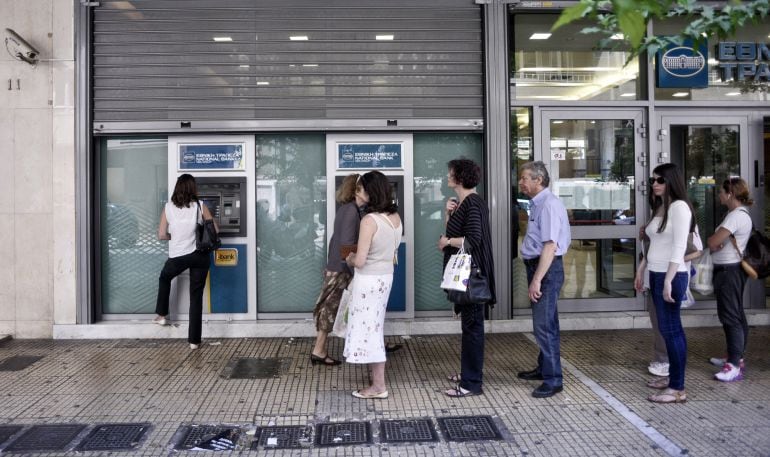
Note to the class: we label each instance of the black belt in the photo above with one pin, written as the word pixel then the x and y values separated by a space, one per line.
pixel 534 261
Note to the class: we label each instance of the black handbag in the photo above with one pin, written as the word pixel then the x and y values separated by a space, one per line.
pixel 477 292
pixel 206 236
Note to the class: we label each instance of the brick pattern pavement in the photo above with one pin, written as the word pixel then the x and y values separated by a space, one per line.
pixel 167 385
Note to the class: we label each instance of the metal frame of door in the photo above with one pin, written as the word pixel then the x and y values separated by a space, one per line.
pixel 664 119
pixel 542 123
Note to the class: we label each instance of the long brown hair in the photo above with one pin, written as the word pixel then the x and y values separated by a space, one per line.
pixel 185 191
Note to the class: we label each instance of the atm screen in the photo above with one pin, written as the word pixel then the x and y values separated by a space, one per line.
pixel 212 203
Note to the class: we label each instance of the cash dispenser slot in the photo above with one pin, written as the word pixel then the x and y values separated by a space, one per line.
pixel 226 199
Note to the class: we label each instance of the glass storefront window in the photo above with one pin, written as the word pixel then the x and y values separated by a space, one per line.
pixel 566 65
pixel 601 268
pixel 522 151
pixel 725 84
pixel 595 170
pixel 432 151
pixel 291 221
pixel 133 188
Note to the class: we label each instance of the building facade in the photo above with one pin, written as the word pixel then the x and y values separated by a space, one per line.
pixel 270 104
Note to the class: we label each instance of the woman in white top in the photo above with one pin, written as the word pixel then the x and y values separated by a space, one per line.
pixel 378 240
pixel 726 244
pixel 178 222
pixel 672 222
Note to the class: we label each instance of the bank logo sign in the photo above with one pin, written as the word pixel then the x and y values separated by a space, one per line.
pixel 682 66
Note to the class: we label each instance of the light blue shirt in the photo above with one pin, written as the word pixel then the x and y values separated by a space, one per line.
pixel 548 221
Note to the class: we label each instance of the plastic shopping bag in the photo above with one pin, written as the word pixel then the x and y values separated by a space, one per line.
pixel 703 279
pixel 457 272
pixel 340 327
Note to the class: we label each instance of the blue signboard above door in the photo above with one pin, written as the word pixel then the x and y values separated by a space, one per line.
pixel 682 66
pixel 357 156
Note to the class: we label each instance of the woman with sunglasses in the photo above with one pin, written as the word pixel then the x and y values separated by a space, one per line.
pixel 727 244
pixel 672 221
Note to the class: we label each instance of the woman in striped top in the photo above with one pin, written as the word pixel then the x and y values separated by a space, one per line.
pixel 467 224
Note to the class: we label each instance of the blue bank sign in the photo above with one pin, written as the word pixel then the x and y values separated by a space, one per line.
pixel 743 61
pixel 369 155
pixel 682 66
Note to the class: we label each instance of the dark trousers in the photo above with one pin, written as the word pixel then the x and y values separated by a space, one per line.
pixel 729 281
pixel 545 321
pixel 472 350
pixel 670 323
pixel 198 263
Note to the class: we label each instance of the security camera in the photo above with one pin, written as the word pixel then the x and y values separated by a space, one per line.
pixel 19 48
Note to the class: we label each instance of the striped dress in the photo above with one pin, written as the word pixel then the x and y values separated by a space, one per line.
pixel 471 220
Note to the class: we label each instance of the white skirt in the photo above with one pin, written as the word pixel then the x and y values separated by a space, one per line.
pixel 365 338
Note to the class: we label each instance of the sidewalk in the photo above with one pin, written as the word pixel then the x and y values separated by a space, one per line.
pixel 172 392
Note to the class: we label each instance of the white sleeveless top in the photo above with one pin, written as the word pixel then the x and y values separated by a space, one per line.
pixel 182 223
pixel 383 249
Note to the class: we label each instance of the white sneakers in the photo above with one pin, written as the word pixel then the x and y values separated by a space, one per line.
pixel 658 369
pixel 729 373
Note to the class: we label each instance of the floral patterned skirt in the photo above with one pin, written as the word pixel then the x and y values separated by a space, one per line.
pixel 329 299
pixel 365 339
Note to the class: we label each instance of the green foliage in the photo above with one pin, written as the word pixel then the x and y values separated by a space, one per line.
pixel 630 17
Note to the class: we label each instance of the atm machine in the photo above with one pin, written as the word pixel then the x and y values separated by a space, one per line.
pixel 223 168
pixel 390 154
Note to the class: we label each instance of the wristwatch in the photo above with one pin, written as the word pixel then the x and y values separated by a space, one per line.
pixel 449 241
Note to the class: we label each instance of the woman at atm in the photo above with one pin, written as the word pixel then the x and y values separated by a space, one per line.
pixel 337 275
pixel 178 221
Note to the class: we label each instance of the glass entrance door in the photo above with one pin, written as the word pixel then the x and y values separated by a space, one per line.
pixel 708 149
pixel 592 158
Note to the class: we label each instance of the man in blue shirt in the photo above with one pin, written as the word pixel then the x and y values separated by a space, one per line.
pixel 546 241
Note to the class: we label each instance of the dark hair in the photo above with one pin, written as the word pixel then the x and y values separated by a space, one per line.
pixel 675 190
pixel 465 172
pixel 380 193
pixel 185 191
pixel 347 191
pixel 739 189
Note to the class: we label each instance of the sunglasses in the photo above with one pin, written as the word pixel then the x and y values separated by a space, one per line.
pixel 659 180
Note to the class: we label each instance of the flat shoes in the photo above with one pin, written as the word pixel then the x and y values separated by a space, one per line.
pixel 669 396
pixel 381 395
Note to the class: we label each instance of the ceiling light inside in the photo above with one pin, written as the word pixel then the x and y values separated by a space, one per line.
pixel 628 94
pixel 298 38
pixel 540 36
pixel 309 64
pixel 222 39
pixel 732 94
pixel 263 83
pixel 618 36
pixel 680 94
pixel 384 37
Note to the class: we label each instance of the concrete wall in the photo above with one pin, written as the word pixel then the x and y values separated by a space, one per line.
pixel 37 173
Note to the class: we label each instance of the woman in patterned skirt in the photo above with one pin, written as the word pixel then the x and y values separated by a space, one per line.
pixel 337 275
pixel 378 241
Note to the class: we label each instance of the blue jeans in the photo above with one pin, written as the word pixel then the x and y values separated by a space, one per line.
pixel 670 323
pixel 472 348
pixel 545 322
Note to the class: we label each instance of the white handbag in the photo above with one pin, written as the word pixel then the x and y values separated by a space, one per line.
pixel 457 271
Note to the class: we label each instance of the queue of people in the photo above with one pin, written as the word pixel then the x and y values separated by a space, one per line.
pixel 368 223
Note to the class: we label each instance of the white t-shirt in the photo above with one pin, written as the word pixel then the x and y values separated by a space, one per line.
pixel 182 223
pixel 669 245
pixel 737 222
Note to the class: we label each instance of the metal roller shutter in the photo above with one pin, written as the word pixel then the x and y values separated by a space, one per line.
pixel 286 60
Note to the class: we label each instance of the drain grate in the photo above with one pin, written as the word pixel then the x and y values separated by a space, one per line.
pixel 7 431
pixel 53 437
pixel 209 437
pixel 284 437
pixel 252 368
pixel 340 433
pixel 18 362
pixel 107 437
pixel 407 430
pixel 467 428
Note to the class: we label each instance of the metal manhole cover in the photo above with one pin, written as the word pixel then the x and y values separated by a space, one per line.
pixel 252 368
pixel 7 431
pixel 107 437
pixel 340 433
pixel 407 430
pixel 466 428
pixel 53 437
pixel 209 437
pixel 18 362
pixel 284 437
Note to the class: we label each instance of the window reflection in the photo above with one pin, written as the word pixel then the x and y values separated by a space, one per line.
pixel 565 64
pixel 594 163
pixel 599 269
